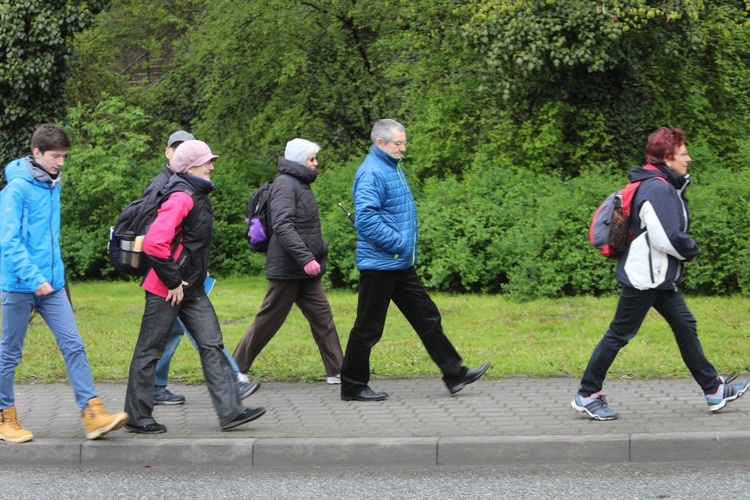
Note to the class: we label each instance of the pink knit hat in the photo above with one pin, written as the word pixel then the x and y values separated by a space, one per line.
pixel 191 154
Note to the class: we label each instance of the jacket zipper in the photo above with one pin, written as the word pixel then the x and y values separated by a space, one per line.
pixel 650 259
pixel 52 240
pixel 401 177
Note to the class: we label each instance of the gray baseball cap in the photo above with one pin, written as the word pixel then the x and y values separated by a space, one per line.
pixel 179 136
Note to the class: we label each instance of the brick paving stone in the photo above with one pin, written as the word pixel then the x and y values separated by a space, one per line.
pixel 416 408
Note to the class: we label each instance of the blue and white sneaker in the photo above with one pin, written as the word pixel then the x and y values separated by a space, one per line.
pixel 247 389
pixel 597 409
pixel 162 396
pixel 727 392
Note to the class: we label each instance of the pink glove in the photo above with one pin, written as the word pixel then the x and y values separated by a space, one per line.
pixel 312 268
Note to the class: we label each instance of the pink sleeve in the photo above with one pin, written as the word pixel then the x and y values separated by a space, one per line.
pixel 161 234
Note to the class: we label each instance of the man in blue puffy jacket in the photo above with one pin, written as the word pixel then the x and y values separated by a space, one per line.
pixel 386 223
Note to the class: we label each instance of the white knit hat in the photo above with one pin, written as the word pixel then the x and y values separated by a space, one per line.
pixel 299 150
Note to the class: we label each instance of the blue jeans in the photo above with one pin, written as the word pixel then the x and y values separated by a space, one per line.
pixel 631 311
pixel 175 335
pixel 56 311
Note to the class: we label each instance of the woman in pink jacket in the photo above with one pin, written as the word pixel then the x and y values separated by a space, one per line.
pixel 178 246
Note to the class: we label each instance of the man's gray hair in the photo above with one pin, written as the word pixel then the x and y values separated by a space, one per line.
pixel 383 129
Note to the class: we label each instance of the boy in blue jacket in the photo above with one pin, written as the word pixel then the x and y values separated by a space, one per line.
pixel 32 276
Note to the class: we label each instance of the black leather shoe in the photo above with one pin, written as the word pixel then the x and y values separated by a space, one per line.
pixel 155 428
pixel 365 394
pixel 471 376
pixel 246 416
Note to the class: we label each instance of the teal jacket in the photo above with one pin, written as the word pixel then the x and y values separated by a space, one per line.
pixel 385 215
pixel 30 229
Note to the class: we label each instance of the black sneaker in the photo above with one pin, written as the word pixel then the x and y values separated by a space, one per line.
pixel 155 428
pixel 246 416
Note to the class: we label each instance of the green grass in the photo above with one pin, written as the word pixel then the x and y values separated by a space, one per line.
pixel 534 339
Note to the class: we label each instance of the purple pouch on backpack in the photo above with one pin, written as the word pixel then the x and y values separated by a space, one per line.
pixel 257 233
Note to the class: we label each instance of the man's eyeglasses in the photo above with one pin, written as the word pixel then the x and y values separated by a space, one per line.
pixel 397 143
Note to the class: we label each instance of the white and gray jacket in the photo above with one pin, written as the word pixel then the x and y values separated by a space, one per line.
pixel 660 220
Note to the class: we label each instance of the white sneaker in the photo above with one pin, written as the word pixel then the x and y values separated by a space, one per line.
pixel 334 380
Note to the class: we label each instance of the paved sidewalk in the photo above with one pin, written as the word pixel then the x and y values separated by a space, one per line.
pixel 490 422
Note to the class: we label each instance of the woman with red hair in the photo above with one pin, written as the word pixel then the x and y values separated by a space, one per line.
pixel 649 272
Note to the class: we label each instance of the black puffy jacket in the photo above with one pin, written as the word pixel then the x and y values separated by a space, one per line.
pixel 296 238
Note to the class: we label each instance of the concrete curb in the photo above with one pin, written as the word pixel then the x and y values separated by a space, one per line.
pixel 375 452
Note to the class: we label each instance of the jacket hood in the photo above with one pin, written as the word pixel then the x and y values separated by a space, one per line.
pixel 650 171
pixel 25 168
pixel 297 170
pixel 196 184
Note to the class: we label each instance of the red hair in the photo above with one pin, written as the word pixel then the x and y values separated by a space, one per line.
pixel 663 143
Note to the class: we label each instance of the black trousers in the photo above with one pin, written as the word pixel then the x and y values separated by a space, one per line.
pixel 631 311
pixel 376 290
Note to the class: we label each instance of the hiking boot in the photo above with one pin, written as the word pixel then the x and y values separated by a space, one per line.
pixel 597 409
pixel 727 392
pixel 10 428
pixel 162 396
pixel 98 422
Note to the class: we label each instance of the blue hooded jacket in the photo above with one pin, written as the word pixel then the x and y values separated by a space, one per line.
pixel 30 229
pixel 385 215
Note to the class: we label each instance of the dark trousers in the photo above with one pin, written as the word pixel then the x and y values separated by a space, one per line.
pixel 376 290
pixel 631 311
pixel 310 297
pixel 200 319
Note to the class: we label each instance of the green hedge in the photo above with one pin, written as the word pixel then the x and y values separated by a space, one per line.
pixel 508 230
pixel 500 228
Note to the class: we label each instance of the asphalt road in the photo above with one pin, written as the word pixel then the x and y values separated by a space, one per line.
pixel 696 480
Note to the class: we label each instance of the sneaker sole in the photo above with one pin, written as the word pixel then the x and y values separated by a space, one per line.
pixel 723 404
pixel 594 416
pixel 364 400
pixel 168 403
pixel 16 440
pixel 117 423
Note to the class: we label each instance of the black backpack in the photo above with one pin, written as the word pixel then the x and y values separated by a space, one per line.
pixel 258 221
pixel 125 247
